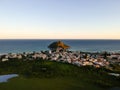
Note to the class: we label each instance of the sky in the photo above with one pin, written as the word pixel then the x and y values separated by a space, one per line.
pixel 59 19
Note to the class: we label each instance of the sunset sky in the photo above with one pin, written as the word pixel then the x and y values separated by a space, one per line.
pixel 59 19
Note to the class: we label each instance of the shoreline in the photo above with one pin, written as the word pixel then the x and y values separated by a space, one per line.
pixel 85 51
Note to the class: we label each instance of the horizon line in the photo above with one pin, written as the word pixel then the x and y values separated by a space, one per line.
pixel 52 39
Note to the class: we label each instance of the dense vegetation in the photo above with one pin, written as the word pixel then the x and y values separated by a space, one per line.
pixel 56 76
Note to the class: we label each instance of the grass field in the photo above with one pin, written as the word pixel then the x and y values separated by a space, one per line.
pixel 47 75
pixel 49 84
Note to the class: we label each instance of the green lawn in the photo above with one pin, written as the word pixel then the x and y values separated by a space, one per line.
pixel 48 84
pixel 47 75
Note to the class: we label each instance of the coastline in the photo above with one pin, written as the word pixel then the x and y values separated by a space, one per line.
pixel 96 59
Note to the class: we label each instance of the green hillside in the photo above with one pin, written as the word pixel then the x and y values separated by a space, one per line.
pixel 49 75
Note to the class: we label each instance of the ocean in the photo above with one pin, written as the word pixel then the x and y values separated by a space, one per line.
pixel 19 46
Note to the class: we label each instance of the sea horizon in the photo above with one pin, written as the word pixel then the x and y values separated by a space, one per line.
pixel 56 39
pixel 86 45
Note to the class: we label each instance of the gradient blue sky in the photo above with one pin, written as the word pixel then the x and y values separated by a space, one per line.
pixel 59 19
